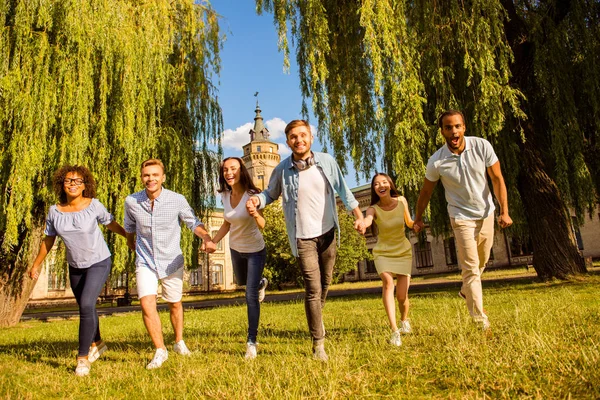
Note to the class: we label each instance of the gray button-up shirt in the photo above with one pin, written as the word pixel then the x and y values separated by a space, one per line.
pixel 285 180
pixel 158 232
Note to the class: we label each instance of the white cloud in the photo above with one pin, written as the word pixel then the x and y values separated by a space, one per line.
pixel 276 127
pixel 235 138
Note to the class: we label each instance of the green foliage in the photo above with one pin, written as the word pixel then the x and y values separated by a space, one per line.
pixel 538 350
pixel 381 71
pixel 282 267
pixel 105 84
pixel 353 246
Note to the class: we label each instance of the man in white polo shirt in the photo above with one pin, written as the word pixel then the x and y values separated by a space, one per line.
pixel 462 165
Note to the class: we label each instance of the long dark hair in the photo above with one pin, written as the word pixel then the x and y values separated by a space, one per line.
pixel 245 178
pixel 59 178
pixel 393 190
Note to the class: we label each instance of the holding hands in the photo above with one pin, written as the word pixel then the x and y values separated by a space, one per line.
pixel 418 226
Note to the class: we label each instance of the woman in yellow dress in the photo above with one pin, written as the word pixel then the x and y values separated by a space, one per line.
pixel 393 251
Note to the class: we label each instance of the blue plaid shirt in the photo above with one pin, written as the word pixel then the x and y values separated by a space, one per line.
pixel 158 232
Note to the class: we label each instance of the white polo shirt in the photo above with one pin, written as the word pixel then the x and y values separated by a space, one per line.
pixel 464 177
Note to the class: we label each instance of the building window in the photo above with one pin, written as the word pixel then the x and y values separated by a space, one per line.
pixel 196 277
pixel 247 150
pixel 217 274
pixel 370 265
pixel 119 281
pixel 450 251
pixel 520 246
pixel 57 281
pixel 423 256
pixel 220 244
pixel 270 149
pixel 577 233
pixel 258 149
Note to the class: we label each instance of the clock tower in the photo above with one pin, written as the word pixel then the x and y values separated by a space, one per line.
pixel 260 155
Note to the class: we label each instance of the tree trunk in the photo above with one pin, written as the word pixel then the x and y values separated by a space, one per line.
pixel 555 252
pixel 15 284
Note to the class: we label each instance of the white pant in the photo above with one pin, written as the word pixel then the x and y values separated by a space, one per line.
pixel 474 240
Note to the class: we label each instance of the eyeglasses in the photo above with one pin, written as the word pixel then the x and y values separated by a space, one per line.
pixel 76 181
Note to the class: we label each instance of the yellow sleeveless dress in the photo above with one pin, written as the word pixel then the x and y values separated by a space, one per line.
pixel 393 251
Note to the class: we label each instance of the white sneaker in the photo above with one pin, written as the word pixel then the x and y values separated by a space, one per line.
pixel 160 357
pixel 406 328
pixel 83 367
pixel 262 287
pixel 250 351
pixel 485 324
pixel 395 339
pixel 319 353
pixel 181 349
pixel 96 351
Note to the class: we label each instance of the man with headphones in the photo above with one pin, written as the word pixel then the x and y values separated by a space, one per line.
pixel 308 181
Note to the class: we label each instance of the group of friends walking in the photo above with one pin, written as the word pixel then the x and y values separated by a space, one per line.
pixel 307 182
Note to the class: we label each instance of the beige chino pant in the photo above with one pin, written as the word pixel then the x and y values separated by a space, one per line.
pixel 474 240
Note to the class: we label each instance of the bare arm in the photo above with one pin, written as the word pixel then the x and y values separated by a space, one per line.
pixel 208 245
pixel 45 247
pixel 501 194
pixel 370 217
pixel 424 197
pixel 130 240
pixel 258 218
pixel 115 227
pixel 222 232
pixel 407 219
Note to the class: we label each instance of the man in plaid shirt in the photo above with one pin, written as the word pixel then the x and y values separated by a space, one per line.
pixel 152 222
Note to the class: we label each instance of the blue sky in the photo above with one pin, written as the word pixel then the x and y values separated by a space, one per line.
pixel 250 63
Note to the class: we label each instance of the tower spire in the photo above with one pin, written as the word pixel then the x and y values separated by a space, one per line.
pixel 259 132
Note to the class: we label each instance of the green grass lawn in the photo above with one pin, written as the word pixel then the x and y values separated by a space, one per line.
pixel 544 343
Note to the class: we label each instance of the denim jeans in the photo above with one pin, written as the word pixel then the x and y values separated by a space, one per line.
pixel 248 269
pixel 87 284
pixel 316 257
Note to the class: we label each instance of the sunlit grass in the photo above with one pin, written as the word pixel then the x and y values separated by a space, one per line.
pixel 544 344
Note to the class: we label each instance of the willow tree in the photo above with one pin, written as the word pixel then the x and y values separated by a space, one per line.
pixel 105 84
pixel 526 74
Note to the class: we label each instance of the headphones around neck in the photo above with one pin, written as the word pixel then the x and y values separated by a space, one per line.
pixel 301 165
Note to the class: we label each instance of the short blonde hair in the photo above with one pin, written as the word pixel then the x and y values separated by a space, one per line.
pixel 152 161
pixel 295 123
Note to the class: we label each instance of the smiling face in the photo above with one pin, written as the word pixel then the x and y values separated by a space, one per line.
pixel 231 172
pixel 74 185
pixel 153 177
pixel 300 139
pixel 381 186
pixel 453 130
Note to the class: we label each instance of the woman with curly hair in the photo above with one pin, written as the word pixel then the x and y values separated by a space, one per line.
pixel 75 219
pixel 246 243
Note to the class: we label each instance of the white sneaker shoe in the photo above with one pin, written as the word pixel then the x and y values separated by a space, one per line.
pixel 485 324
pixel 262 287
pixel 406 328
pixel 181 349
pixel 83 367
pixel 250 351
pixel 96 352
pixel 160 357
pixel 319 353
pixel 395 339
